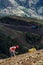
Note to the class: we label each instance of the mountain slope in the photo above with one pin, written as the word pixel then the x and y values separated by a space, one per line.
pixel 25 59
pixel 23 8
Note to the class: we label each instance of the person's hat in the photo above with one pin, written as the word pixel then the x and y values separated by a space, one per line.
pixel 17 46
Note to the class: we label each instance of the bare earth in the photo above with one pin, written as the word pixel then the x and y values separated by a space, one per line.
pixel 35 58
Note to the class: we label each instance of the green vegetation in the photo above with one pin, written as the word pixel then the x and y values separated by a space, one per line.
pixel 38 46
pixel 32 37
pixel 34 40
pixel 7 41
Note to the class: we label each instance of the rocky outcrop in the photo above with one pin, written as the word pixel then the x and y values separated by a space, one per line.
pixel 23 8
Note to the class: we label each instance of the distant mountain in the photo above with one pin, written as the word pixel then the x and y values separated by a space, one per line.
pixel 23 8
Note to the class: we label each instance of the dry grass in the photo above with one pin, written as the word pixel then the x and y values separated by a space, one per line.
pixel 35 58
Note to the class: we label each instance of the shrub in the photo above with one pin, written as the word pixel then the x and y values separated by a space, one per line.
pixel 32 37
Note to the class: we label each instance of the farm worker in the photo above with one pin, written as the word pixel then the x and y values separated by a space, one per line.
pixel 13 50
pixel 32 50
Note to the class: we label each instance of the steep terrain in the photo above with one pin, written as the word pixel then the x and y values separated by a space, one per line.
pixel 15 34
pixel 35 58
